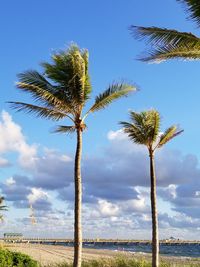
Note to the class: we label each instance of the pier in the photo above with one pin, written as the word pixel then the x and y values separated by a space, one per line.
pixel 69 241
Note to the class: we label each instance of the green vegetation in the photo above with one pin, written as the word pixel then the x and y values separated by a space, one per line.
pixel 171 44
pixel 144 129
pixel 15 259
pixel 62 92
pixel 122 262
pixel 2 207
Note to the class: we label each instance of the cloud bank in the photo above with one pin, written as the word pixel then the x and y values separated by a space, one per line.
pixel 115 186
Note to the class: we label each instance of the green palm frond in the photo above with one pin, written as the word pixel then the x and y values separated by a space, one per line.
pixel 169 134
pixel 193 6
pixel 114 92
pixel 155 122
pixel 41 90
pixel 148 122
pixel 144 129
pixel 134 133
pixel 42 112
pixel 70 69
pixel 163 36
pixel 64 88
pixel 137 118
pixel 160 54
pixel 87 85
pixel 169 43
pixel 64 129
pixel 34 78
pixel 141 119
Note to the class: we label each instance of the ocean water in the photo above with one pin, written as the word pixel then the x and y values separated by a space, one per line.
pixel 182 250
pixel 178 250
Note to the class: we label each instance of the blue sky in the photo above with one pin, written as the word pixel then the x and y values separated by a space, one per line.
pixel 30 33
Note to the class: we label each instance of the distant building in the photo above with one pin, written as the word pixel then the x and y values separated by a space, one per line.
pixel 13 236
pixel 171 239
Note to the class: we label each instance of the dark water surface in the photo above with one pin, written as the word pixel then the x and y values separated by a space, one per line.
pixel 182 250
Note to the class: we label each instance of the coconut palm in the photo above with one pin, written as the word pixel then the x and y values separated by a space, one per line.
pixel 169 43
pixel 144 129
pixel 62 92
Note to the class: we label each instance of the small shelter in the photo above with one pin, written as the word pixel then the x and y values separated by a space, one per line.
pixel 13 236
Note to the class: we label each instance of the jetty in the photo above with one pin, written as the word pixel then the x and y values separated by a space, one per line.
pixel 68 241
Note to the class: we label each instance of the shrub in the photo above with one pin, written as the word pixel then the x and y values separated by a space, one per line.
pixel 15 259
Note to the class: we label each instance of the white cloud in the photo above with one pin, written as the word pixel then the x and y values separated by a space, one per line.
pixel 12 139
pixel 107 208
pixel 197 193
pixel 37 194
pixel 10 181
pixel 135 205
pixel 119 135
pixel 115 186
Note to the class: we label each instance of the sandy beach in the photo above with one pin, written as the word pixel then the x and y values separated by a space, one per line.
pixel 49 254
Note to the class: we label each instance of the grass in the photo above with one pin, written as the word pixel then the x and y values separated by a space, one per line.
pixel 122 262
pixel 16 259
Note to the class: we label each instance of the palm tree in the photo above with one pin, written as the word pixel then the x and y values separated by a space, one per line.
pixel 169 43
pixel 2 207
pixel 62 93
pixel 144 129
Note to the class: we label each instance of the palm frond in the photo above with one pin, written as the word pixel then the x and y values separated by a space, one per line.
pixel 87 85
pixel 139 119
pixel 42 112
pixel 64 129
pixel 162 36
pixel 170 52
pixel 134 133
pixel 144 130
pixel 41 90
pixel 155 122
pixel 193 6
pixel 114 92
pixel 34 78
pixel 70 70
pixel 4 208
pixel 169 134
pixel 148 122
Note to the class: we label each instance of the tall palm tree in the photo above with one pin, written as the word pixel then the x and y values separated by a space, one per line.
pixel 62 92
pixel 144 129
pixel 169 43
pixel 2 207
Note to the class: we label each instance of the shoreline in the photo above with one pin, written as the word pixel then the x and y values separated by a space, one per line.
pixel 51 254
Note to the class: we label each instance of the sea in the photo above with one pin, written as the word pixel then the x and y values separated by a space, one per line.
pixel 178 249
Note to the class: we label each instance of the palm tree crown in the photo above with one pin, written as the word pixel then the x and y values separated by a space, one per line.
pixel 64 89
pixel 144 129
pixel 169 43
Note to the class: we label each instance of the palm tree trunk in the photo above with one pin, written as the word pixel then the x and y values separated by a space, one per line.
pixel 78 203
pixel 155 239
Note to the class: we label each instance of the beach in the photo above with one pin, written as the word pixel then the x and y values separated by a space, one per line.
pixel 51 254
